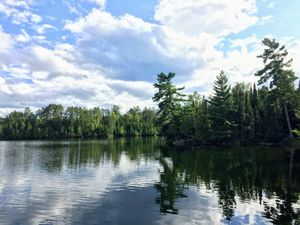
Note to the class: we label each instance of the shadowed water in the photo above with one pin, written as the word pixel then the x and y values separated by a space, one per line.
pixel 139 181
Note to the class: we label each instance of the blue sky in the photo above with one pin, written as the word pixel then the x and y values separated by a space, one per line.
pixel 104 52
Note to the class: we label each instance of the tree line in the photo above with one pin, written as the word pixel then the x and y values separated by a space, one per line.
pixel 54 121
pixel 242 113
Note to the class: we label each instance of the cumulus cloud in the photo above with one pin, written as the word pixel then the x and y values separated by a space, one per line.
pixel 204 16
pixel 36 76
pixel 6 42
pixel 129 48
pixel 19 11
pixel 239 62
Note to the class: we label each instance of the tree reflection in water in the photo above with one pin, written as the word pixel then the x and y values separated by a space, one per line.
pixel 262 175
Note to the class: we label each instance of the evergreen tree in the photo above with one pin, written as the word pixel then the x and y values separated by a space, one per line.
pixel 169 98
pixel 254 105
pixel 203 125
pixel 190 112
pixel 238 93
pixel 221 111
pixel 276 71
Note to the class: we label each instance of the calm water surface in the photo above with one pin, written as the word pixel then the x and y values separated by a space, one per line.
pixel 139 181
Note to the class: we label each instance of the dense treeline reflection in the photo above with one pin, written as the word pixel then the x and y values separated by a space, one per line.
pixel 79 153
pixel 53 156
pixel 249 174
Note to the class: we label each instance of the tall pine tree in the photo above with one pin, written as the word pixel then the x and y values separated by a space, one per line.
pixel 169 98
pixel 276 70
pixel 221 111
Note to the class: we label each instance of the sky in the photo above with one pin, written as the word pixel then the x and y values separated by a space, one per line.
pixel 99 53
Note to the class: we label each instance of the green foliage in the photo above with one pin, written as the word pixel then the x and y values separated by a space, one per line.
pixel 297 132
pixel 245 104
pixel 169 100
pixel 274 61
pixel 221 111
pixel 281 79
pixel 232 115
pixel 74 122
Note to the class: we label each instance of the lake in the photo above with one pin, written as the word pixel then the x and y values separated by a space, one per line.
pixel 141 181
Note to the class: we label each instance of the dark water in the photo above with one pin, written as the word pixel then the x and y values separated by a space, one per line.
pixel 139 181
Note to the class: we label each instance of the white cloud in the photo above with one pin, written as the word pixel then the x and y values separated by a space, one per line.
pixel 219 17
pixel 293 47
pixel 20 3
pixel 23 37
pixel 73 7
pixel 26 17
pixel 36 18
pixel 22 89
pixel 6 42
pixel 265 19
pixel 57 76
pixel 195 58
pixel 17 72
pixel 19 11
pixel 239 62
pixel 101 3
pixel 129 48
pixel 41 29
pixel 142 89
pixel 76 6
pixel 102 20
pixel 271 5
pixel 40 75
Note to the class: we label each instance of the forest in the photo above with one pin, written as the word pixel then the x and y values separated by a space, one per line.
pixel 244 113
pixel 54 121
